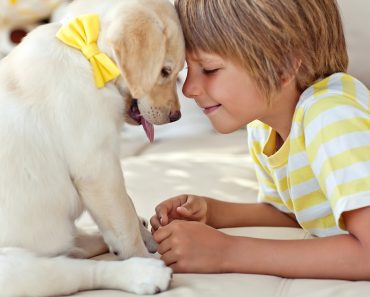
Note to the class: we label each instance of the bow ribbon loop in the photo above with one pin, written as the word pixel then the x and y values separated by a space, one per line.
pixel 82 33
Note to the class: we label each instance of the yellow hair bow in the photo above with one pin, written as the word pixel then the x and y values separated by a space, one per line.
pixel 82 33
pixel 13 1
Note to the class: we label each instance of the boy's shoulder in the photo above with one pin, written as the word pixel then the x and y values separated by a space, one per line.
pixel 336 91
pixel 336 105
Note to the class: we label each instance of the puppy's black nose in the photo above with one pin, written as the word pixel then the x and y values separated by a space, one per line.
pixel 174 116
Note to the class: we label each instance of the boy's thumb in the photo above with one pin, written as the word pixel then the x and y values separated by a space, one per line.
pixel 186 209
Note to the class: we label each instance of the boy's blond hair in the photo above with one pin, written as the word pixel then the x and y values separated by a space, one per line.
pixel 269 37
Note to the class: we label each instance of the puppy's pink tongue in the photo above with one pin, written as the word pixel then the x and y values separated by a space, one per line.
pixel 148 128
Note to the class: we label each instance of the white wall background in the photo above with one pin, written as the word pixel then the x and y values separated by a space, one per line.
pixel 356 20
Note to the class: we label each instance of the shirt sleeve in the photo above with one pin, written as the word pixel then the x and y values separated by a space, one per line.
pixel 337 139
pixel 267 192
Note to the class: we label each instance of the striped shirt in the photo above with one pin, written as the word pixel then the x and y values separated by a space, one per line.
pixel 323 167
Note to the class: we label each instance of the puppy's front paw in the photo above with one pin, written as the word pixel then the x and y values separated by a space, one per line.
pixel 136 275
pixel 150 276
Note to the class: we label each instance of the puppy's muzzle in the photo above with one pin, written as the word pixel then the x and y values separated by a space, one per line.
pixel 136 115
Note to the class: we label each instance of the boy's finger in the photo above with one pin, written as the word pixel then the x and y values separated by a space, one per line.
pixel 162 213
pixel 188 208
pixel 161 234
pixel 183 211
pixel 154 222
pixel 169 258
pixel 164 247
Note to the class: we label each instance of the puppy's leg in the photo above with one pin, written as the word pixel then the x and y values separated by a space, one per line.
pixel 150 243
pixel 88 245
pixel 104 195
pixel 91 244
pixel 25 274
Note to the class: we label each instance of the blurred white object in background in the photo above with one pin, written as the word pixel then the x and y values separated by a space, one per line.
pixel 19 17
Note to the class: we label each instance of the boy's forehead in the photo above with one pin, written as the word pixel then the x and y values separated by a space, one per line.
pixel 203 57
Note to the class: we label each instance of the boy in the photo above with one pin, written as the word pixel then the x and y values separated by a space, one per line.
pixel 277 66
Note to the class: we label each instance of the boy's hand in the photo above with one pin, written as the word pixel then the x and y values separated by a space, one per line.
pixel 193 247
pixel 183 207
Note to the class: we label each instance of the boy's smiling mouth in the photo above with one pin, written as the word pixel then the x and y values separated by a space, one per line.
pixel 209 109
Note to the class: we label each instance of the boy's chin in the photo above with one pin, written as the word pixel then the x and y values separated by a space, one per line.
pixel 225 129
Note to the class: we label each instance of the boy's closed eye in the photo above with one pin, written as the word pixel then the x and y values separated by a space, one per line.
pixel 210 71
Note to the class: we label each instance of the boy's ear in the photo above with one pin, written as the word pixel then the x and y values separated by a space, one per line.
pixel 287 77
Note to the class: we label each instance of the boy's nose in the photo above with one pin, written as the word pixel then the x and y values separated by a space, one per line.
pixel 190 89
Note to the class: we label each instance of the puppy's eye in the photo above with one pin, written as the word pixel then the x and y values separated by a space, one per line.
pixel 165 72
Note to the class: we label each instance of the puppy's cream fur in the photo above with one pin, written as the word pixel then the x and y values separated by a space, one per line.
pixel 59 149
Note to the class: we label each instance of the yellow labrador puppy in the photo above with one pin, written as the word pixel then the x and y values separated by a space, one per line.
pixel 59 133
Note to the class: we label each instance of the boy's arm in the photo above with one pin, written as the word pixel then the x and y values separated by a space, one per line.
pixel 218 214
pixel 339 257
pixel 222 214
pixel 197 248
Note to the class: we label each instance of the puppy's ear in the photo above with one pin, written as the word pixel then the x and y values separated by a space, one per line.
pixel 138 40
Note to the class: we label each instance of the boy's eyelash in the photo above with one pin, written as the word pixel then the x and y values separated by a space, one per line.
pixel 210 71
